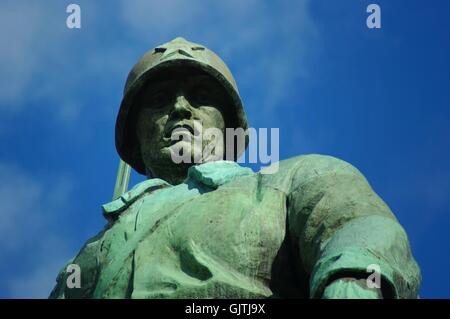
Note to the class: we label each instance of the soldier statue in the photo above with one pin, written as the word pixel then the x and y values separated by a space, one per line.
pixel 216 229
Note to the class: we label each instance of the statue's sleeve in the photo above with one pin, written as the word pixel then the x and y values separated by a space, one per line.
pixel 87 261
pixel 58 290
pixel 342 228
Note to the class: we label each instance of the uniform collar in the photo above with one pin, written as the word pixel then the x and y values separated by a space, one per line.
pixel 211 175
pixel 117 206
pixel 214 174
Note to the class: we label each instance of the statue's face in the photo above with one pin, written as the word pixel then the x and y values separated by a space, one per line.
pixel 178 102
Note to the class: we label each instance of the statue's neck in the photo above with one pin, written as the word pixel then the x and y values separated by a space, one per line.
pixel 173 173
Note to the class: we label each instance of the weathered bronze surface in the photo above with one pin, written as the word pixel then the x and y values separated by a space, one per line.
pixel 219 230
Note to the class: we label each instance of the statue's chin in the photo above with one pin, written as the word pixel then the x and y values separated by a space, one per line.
pixel 169 165
pixel 183 152
pixel 162 165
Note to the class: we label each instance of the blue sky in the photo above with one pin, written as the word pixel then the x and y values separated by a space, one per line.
pixel 379 99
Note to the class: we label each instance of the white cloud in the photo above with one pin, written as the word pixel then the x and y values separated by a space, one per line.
pixel 26 34
pixel 160 18
pixel 269 42
pixel 40 279
pixel 18 195
pixel 16 60
pixel 265 45
pixel 28 205
pixel 31 209
pixel 42 62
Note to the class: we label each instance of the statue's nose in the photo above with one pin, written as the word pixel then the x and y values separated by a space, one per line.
pixel 181 108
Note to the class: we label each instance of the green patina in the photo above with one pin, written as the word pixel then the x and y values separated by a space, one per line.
pixel 219 230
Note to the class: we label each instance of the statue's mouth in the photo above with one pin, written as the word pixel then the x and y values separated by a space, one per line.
pixel 181 127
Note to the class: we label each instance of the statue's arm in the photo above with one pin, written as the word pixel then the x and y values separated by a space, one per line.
pixel 58 290
pixel 87 261
pixel 343 231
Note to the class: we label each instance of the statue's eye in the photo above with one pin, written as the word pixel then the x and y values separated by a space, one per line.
pixel 158 100
pixel 201 96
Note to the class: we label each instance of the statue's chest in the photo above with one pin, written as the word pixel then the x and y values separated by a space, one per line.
pixel 213 237
pixel 230 223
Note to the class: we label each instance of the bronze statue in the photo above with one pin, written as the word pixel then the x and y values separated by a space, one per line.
pixel 215 229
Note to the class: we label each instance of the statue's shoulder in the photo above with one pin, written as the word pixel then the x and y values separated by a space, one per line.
pixel 317 164
pixel 113 209
pixel 86 262
pixel 294 171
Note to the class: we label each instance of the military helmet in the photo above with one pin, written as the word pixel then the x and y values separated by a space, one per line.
pixel 174 54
